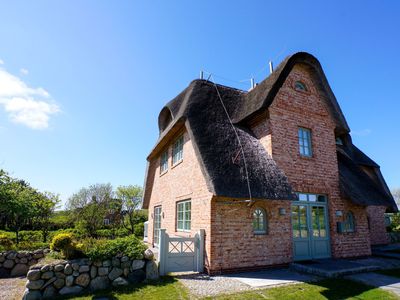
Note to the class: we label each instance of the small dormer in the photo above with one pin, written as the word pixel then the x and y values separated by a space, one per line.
pixel 164 119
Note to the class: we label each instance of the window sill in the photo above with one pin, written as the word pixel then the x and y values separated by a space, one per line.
pixel 182 230
pixel 163 173
pixel 306 157
pixel 260 232
pixel 177 164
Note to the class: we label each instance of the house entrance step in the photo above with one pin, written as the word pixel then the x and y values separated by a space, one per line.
pixel 332 268
pixel 390 251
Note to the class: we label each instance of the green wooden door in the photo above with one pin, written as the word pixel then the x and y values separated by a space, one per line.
pixel 310 228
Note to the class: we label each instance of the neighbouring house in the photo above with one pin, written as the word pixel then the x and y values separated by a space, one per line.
pixel 270 174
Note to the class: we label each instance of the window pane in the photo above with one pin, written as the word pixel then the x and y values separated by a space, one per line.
pixel 259 220
pixel 180 225
pixel 303 197
pixel 312 197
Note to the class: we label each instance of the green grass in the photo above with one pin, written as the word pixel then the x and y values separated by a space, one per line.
pixel 331 289
pixel 171 288
pixel 391 272
pixel 165 289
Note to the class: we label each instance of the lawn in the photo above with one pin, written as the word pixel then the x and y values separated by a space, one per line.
pixel 391 272
pixel 170 288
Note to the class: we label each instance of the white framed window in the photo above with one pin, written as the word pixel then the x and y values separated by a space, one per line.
pixel 259 221
pixel 177 151
pixel 164 162
pixel 305 146
pixel 106 221
pixel 183 215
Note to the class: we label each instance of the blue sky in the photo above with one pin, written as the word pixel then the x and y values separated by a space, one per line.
pixel 83 81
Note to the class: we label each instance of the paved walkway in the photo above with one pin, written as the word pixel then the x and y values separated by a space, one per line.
pixel 204 285
pixel 12 288
pixel 269 278
pixel 378 280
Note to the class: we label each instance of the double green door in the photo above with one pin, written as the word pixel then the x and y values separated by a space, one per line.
pixel 310 229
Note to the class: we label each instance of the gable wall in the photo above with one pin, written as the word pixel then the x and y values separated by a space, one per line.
pixel 319 173
pixel 183 181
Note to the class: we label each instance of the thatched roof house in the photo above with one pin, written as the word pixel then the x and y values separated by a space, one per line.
pixel 239 161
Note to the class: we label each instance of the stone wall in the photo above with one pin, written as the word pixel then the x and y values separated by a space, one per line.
pixel 81 275
pixel 13 263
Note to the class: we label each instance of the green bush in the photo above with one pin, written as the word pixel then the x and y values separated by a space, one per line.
pixel 105 249
pixel 24 245
pixel 138 229
pixel 64 242
pixel 61 242
pixel 112 233
pixel 30 236
pixel 6 243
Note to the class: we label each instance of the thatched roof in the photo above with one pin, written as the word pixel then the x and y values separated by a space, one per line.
pixel 356 184
pixel 199 109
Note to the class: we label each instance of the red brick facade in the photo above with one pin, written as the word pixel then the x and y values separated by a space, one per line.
pixel 230 241
pixel 377 225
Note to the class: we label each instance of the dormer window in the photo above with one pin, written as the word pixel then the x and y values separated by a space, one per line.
pixel 339 141
pixel 300 86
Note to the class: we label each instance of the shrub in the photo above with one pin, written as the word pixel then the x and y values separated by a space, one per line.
pixel 61 242
pixel 112 233
pixel 30 236
pixel 24 245
pixel 138 229
pixel 6 242
pixel 105 249
pixel 65 243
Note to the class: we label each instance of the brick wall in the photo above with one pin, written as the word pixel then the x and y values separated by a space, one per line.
pixel 182 181
pixel 235 246
pixel 376 216
pixel 318 174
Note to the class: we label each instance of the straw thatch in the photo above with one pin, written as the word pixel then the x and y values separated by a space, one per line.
pixel 199 109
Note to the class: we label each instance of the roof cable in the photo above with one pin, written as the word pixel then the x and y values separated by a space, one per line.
pixel 237 137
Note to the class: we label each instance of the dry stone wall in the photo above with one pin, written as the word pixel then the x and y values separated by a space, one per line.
pixel 13 263
pixel 80 275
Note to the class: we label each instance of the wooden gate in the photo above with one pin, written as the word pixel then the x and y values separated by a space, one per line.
pixel 181 254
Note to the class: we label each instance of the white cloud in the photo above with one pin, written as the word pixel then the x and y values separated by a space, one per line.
pixel 31 107
pixel 24 71
pixel 1 62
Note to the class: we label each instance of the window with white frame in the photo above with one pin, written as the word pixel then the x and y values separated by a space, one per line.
pixel 106 221
pixel 177 151
pixel 164 162
pixel 259 221
pixel 183 215
pixel 305 142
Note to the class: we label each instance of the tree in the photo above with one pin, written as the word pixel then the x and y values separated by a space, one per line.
pixel 17 199
pixel 131 197
pixel 45 205
pixel 90 205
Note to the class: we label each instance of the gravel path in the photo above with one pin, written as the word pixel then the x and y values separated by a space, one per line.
pixel 12 288
pixel 204 285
